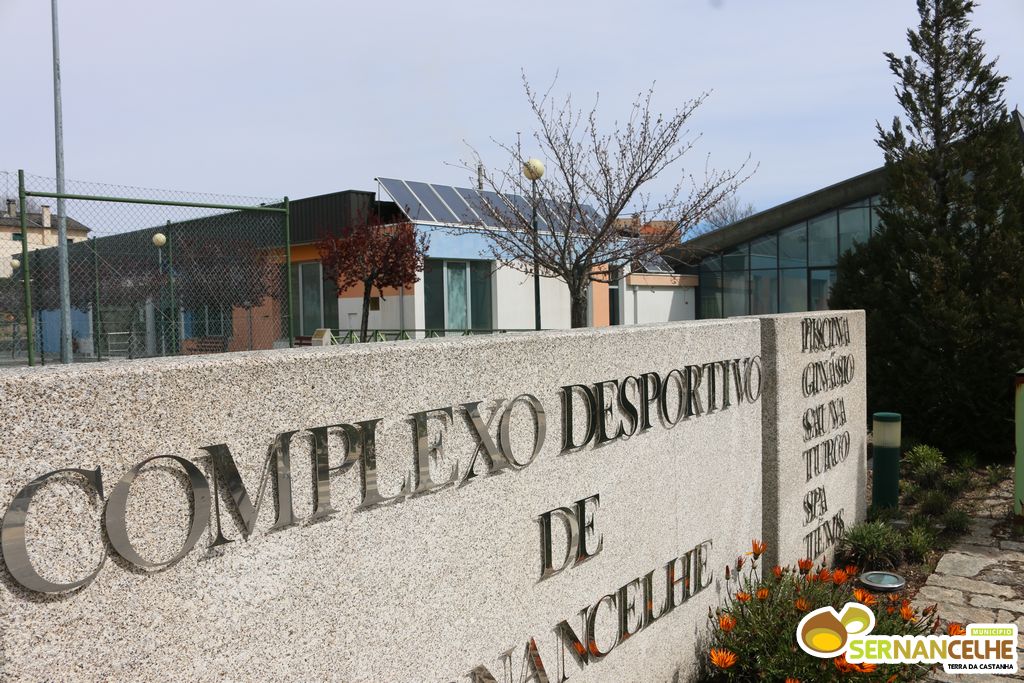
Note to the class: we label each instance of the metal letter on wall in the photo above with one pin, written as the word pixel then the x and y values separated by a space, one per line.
pixel 117 525
pixel 12 535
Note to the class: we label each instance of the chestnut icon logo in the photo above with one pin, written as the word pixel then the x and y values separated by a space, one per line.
pixel 824 632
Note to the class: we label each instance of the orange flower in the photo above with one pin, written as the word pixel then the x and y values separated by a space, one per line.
pixel 805 565
pixel 850 569
pixel 802 604
pixel 890 610
pixel 839 577
pixel 777 570
pixel 723 658
pixel 844 665
pixel 865 668
pixel 727 569
pixel 824 575
pixel 739 562
pixel 864 597
pixel 907 612
pixel 726 622
pixel 762 593
pixel 757 548
pixel 955 629
pixel 743 596
pixel 792 680
pixel 893 597
pixel 892 679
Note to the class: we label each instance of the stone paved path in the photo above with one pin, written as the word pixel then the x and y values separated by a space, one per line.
pixel 981 578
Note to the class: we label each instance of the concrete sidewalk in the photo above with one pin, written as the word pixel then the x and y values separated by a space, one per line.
pixel 981 578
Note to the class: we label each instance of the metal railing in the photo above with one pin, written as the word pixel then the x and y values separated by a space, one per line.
pixel 339 336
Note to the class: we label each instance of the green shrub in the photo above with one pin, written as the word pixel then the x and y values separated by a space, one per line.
pixel 909 491
pixel 956 521
pixel 996 474
pixel 751 636
pixel 925 465
pixel 917 542
pixel 871 544
pixel 882 514
pixel 967 460
pixel 957 483
pixel 934 503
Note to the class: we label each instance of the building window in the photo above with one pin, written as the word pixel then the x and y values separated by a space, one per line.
pixel 764 291
pixel 374 303
pixel 793 246
pixel 457 294
pixel 734 293
pixel 711 287
pixel 854 227
pixel 314 299
pixel 207 321
pixel 614 277
pixel 792 290
pixel 820 287
pixel 822 240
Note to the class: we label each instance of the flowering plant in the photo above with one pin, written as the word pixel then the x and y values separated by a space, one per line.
pixel 753 635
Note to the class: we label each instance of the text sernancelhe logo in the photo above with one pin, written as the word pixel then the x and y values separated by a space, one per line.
pixel 983 648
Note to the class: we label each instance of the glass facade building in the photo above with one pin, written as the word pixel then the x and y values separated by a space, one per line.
pixel 787 270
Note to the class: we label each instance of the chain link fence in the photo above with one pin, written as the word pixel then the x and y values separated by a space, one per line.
pixel 151 272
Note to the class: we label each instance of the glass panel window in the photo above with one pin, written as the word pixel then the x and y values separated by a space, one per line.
pixel 433 293
pixel 822 242
pixel 764 291
pixel 712 263
pixel 792 290
pixel 312 294
pixel 763 252
pixel 735 296
pixel 821 287
pixel 710 294
pixel 331 303
pixel 854 227
pixel 480 294
pixel 793 247
pixel 455 284
pixel 296 301
pixel 736 258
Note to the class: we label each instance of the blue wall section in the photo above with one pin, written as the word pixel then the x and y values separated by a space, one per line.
pixel 449 245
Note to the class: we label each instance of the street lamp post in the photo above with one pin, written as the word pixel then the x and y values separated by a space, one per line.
pixel 533 169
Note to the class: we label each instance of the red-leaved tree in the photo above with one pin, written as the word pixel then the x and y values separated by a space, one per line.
pixel 374 254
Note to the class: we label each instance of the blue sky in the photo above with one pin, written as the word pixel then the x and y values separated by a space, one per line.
pixel 300 98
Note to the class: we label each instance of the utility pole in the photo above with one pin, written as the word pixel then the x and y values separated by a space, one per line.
pixel 62 221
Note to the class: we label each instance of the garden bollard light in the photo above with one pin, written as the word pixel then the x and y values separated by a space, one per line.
pixel 885 484
pixel 1018 476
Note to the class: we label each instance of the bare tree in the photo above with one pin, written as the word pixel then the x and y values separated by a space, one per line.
pixel 728 212
pixel 593 176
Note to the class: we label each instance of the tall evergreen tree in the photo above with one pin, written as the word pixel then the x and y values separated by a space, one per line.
pixel 942 281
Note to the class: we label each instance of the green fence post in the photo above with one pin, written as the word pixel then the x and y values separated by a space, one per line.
pixel 885 460
pixel 170 283
pixel 25 270
pixel 1018 476
pixel 96 328
pixel 288 268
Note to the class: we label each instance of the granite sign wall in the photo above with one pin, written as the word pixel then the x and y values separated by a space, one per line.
pixel 544 507
pixel 815 444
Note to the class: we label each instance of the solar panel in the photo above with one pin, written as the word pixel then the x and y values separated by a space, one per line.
pixel 457 204
pixel 433 203
pixel 406 199
pixel 461 205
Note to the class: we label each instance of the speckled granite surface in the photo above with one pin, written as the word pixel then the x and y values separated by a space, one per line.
pixel 424 589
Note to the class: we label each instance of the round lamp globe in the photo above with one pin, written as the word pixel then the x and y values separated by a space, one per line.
pixel 533 169
pixel 159 239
